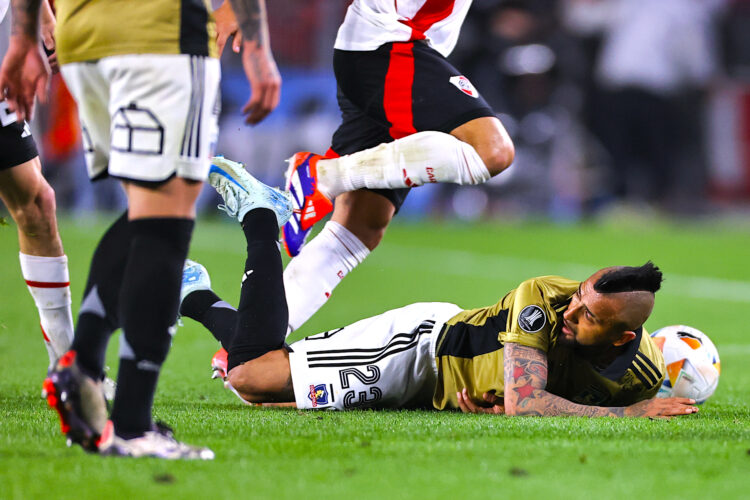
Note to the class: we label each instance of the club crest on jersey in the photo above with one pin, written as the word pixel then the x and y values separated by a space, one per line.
pixel 318 395
pixel 532 319
pixel 464 85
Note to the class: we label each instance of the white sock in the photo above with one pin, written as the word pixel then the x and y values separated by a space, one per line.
pixel 407 162
pixel 310 277
pixel 48 282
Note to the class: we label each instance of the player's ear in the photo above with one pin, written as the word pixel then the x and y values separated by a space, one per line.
pixel 626 337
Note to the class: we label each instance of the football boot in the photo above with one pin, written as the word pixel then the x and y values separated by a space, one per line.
pixel 309 204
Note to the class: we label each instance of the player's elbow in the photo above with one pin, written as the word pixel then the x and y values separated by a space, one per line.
pixel 512 409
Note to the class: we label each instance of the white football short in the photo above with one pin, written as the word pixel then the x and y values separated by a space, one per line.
pixel 387 361
pixel 147 117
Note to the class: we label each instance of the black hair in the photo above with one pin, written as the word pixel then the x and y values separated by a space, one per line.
pixel 645 278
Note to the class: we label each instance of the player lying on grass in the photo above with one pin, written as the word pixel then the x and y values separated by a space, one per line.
pixel 552 346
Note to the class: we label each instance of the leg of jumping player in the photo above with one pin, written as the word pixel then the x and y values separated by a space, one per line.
pixel 408 119
pixel 361 217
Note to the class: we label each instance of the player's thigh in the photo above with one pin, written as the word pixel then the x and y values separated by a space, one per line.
pixel 382 361
pixel 172 198
pixel 366 212
pixel 442 98
pixel 20 169
pixel 17 145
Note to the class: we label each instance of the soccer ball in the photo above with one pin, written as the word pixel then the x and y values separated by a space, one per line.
pixel 692 363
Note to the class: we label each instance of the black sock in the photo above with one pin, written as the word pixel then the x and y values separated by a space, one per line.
pixel 149 298
pixel 98 316
pixel 217 316
pixel 262 316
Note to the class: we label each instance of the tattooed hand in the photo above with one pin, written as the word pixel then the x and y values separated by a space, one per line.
pixel 662 407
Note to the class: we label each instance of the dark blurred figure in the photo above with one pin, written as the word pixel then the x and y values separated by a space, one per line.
pixel 529 70
pixel 654 64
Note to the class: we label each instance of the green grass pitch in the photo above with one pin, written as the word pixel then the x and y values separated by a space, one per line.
pixel 266 453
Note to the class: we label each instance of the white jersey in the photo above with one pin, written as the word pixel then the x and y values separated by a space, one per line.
pixel 371 23
pixel 3 8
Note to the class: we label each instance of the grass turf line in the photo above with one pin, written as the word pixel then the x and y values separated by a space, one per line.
pixel 265 453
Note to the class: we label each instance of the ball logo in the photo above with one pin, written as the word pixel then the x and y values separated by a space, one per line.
pixel 532 319
pixel 464 85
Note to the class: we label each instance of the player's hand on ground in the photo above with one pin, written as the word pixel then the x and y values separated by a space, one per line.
pixel 227 27
pixel 491 404
pixel 662 407
pixel 23 76
pixel 265 81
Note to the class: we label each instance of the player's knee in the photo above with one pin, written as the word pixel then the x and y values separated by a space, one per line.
pixel 45 200
pixel 35 214
pixel 498 154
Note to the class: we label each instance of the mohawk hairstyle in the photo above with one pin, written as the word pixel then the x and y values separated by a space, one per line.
pixel 645 278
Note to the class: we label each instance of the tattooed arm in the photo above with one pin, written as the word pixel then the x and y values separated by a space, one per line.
pixel 525 373
pixel 23 74
pixel 260 68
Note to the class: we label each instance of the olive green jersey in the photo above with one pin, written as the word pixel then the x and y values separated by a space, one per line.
pixel 92 29
pixel 469 352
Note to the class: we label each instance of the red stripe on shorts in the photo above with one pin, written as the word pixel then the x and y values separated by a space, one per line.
pixel 397 98
pixel 430 13
pixel 48 284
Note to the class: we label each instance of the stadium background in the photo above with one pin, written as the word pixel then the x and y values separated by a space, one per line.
pixel 681 148
pixel 563 208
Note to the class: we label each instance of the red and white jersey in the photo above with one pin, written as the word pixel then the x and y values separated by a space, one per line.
pixel 371 23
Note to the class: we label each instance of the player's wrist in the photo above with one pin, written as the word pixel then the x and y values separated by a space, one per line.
pixel 23 40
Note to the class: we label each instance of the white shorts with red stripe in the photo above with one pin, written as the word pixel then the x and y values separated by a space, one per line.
pixel 386 361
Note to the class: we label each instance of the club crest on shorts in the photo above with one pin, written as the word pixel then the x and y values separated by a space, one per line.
pixel 464 85
pixel 318 395
pixel 532 319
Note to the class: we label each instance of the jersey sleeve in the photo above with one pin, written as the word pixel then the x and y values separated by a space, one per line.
pixel 530 316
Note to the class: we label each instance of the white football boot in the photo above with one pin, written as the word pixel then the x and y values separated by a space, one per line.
pixel 194 277
pixel 242 192
pixel 157 443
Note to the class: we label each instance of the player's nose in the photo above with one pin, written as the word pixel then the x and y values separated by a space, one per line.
pixel 570 313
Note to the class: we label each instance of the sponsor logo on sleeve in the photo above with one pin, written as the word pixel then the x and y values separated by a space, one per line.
pixel 532 319
pixel 464 85
pixel 318 395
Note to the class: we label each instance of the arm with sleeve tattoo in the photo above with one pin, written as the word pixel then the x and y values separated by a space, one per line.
pixel 257 60
pixel 525 373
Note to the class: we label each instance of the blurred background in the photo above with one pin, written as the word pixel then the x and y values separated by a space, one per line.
pixel 615 106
